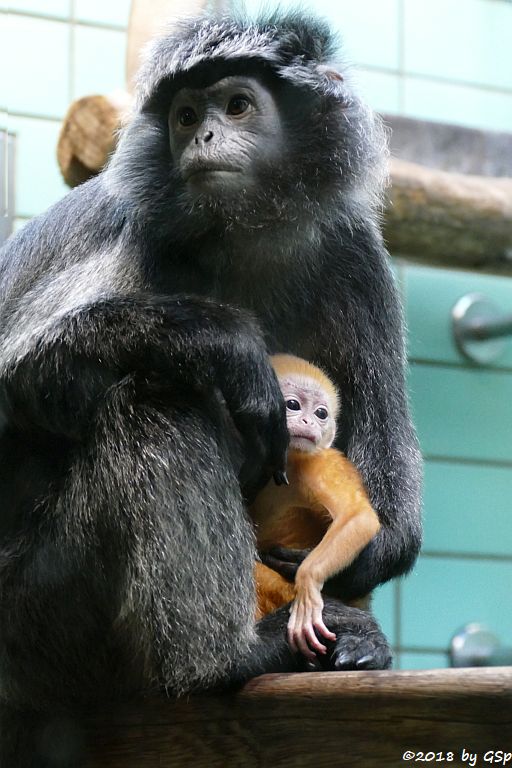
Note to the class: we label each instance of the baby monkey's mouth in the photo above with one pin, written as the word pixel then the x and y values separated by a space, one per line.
pixel 302 436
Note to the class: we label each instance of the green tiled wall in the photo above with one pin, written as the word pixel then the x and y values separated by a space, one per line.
pixel 471 39
pixel 447 60
pixel 98 60
pixel 113 12
pixel 463 414
pixel 53 51
pixel 38 180
pixel 40 90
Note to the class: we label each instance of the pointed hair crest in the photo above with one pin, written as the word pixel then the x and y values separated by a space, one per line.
pixel 293 45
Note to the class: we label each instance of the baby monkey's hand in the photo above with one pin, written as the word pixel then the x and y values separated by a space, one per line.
pixel 306 617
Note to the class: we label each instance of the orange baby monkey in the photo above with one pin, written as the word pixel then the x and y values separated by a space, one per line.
pixel 324 506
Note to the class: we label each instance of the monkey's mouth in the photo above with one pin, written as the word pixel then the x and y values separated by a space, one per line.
pixel 198 172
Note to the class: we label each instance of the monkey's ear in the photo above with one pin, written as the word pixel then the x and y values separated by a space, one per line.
pixel 329 72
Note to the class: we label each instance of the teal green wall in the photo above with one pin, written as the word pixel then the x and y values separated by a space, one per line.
pixel 446 60
pixel 463 415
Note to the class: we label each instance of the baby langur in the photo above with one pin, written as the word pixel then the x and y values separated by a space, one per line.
pixel 324 506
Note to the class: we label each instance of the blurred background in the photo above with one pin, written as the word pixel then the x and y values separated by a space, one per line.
pixel 441 74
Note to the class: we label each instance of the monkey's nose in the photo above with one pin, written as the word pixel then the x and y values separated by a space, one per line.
pixel 208 135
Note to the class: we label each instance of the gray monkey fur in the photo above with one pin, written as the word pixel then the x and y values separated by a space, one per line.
pixel 124 528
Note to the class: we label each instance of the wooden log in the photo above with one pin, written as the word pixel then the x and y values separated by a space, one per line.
pixel 449 218
pixel 88 136
pixel 321 720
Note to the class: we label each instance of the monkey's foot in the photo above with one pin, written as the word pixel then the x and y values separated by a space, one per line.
pixel 356 652
pixel 360 644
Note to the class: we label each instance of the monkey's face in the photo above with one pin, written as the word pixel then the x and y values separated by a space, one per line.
pixel 225 137
pixel 309 414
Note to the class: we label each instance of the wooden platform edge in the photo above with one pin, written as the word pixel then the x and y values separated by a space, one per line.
pixel 318 719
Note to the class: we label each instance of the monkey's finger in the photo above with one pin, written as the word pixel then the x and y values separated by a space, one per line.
pixel 295 634
pixel 289 555
pixel 290 630
pixel 287 570
pixel 298 630
pixel 312 639
pixel 281 478
pixel 284 561
pixel 301 643
pixel 291 641
pixel 320 627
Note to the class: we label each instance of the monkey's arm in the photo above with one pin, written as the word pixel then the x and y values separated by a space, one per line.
pixel 359 338
pixel 376 432
pixel 163 346
pixel 335 487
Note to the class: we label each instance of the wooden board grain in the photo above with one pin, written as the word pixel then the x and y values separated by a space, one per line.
pixel 313 720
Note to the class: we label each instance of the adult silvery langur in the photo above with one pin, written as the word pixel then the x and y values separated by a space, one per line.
pixel 139 410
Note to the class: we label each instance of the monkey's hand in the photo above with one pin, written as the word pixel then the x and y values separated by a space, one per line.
pixel 305 618
pixel 283 560
pixel 206 345
pixel 256 405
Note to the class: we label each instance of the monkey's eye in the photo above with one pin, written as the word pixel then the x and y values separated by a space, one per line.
pixel 321 413
pixel 237 105
pixel 293 405
pixel 186 116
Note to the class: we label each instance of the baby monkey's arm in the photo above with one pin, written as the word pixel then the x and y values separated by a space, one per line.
pixel 336 490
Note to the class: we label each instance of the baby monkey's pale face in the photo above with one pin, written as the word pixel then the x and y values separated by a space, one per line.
pixel 309 414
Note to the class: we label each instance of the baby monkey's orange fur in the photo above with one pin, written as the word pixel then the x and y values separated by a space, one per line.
pixel 325 507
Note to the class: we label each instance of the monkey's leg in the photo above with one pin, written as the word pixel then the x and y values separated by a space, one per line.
pixel 360 645
pixel 198 564
pixel 197 554
pixel 272 590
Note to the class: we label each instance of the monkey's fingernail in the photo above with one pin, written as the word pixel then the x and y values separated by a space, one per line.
pixel 362 663
pixel 343 661
pixel 280 478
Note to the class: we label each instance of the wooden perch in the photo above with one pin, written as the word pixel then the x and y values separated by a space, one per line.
pixel 87 138
pixel 449 218
pixel 434 216
pixel 350 719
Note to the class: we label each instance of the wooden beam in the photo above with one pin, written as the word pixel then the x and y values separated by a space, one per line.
pixel 88 136
pixel 450 219
pixel 349 719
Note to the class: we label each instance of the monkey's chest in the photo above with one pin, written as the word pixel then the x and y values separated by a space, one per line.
pixel 282 515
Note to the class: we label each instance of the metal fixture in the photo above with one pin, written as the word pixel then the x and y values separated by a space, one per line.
pixel 476 646
pixel 479 328
pixel 6 183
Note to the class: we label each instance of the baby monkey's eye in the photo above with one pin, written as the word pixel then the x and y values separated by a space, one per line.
pixel 187 116
pixel 238 105
pixel 293 405
pixel 321 413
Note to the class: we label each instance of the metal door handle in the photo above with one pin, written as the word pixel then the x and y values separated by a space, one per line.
pixel 476 646
pixel 480 328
